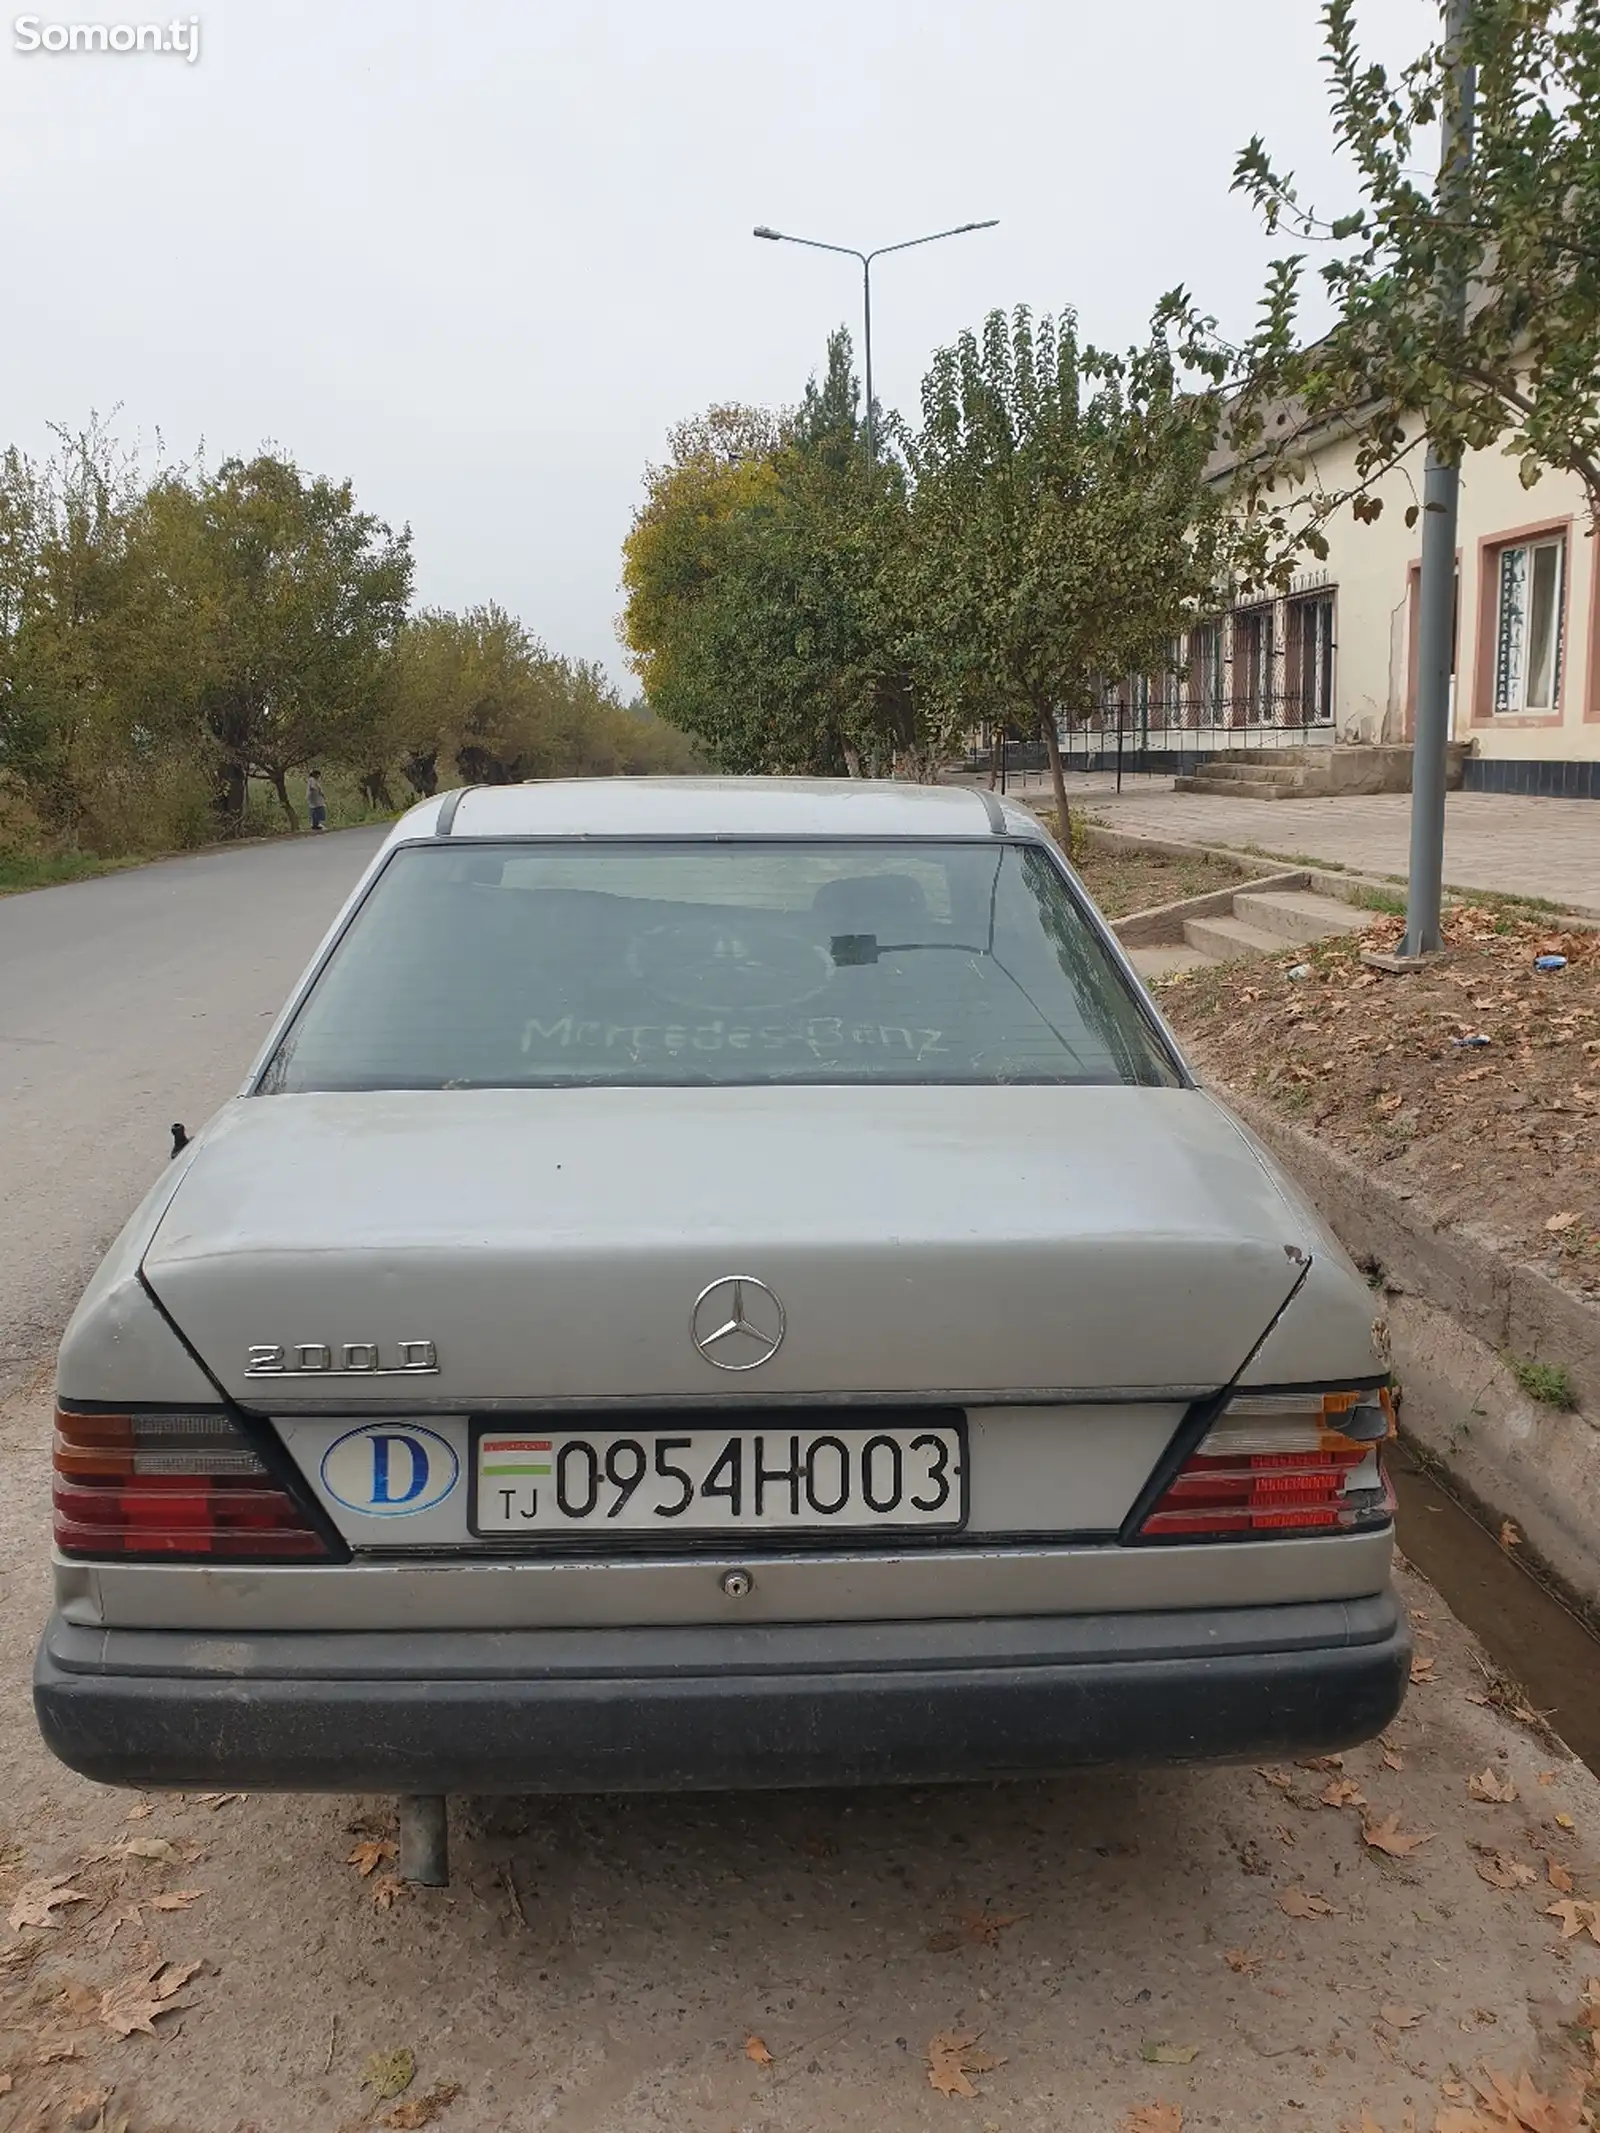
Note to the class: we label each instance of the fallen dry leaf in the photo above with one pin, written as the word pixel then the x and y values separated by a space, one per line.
pixel 1387 1836
pixel 1154 2054
pixel 159 1849
pixel 1501 1871
pixel 1522 2103
pixel 1559 1877
pixel 1399 2017
pixel 176 1899
pixel 390 2073
pixel 1509 1536
pixel 139 2001
pixel 1391 1761
pixel 139 1810
pixel 1154 2118
pixel 1565 1220
pixel 1547 1777
pixel 76 1999
pixel 982 1928
pixel 986 1927
pixel 1565 1822
pixel 214 1800
pixel 953 2057
pixel 1422 1668
pixel 1296 1902
pixel 371 1853
pixel 36 1900
pixel 1486 1786
pixel 1343 1793
pixel 1576 1917
pixel 1241 1960
pixel 424 2109
pixel 1283 1779
pixel 755 2049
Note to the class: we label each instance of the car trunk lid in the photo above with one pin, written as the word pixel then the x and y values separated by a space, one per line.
pixel 494 1249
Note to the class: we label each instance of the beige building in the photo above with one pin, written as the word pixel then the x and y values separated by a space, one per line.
pixel 1335 658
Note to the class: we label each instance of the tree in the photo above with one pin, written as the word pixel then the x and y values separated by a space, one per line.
pixel 1061 527
pixel 66 531
pixel 1521 234
pixel 478 692
pixel 269 607
pixel 765 609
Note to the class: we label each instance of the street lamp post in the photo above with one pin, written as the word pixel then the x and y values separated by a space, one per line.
pixel 866 259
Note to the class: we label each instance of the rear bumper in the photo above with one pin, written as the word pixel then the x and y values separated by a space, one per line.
pixel 704 1709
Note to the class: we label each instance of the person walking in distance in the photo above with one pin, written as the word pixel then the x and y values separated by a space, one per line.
pixel 317 801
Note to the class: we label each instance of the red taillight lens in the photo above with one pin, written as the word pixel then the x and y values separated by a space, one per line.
pixel 179 1484
pixel 1282 1463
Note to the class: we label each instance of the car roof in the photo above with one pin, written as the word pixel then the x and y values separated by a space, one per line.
pixel 715 807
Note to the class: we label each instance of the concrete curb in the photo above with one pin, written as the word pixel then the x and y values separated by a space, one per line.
pixel 1586 916
pixel 1457 1308
pixel 1162 924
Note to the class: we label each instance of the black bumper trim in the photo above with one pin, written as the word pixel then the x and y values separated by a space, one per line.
pixel 708 1709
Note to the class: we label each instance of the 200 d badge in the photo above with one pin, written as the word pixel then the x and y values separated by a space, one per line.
pixel 347 1359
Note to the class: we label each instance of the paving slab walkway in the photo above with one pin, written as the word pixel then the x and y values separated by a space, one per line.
pixel 1494 841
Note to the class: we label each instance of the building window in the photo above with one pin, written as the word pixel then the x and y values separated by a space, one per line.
pixel 1252 668
pixel 1203 681
pixel 1308 647
pixel 1527 658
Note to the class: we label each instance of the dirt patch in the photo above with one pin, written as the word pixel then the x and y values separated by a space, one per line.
pixel 1476 1080
pixel 1121 882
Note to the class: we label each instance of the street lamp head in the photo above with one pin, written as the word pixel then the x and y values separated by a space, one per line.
pixel 993 224
pixel 761 230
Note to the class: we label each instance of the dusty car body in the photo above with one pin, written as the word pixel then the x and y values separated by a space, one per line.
pixel 716 1283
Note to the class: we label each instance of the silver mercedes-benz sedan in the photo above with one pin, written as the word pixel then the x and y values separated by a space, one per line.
pixel 716 1283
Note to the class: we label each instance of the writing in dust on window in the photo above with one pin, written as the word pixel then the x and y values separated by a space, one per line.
pixel 823 1037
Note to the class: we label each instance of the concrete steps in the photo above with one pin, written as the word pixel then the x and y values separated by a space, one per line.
pixel 1296 915
pixel 1282 774
pixel 1262 922
pixel 1224 940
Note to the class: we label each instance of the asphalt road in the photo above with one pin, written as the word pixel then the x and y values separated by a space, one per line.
pixel 1119 1953
pixel 127 1003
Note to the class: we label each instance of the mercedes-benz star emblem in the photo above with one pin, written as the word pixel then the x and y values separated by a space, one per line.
pixel 737 1323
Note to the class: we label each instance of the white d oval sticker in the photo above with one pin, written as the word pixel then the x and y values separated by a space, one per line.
pixel 390 1469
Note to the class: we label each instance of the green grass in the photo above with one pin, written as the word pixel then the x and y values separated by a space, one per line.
pixel 47 870
pixel 1380 900
pixel 1548 1383
pixel 264 821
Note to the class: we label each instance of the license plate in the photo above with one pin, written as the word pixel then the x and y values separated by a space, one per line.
pixel 706 1481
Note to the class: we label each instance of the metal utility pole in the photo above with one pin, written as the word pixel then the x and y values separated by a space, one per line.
pixel 1441 484
pixel 866 259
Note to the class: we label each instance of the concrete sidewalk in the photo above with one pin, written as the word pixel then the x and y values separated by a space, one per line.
pixel 1494 841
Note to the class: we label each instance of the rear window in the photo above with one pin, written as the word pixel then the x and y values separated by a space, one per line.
pixel 620 963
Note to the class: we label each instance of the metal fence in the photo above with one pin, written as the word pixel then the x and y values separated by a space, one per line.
pixel 1160 739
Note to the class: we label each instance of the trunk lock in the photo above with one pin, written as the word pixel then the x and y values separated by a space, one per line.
pixel 737 1583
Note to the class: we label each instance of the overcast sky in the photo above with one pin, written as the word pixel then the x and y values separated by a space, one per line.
pixel 478 256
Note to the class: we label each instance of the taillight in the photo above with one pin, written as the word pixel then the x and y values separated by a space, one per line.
pixel 1282 1463
pixel 176 1484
